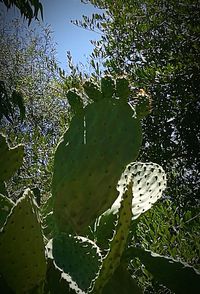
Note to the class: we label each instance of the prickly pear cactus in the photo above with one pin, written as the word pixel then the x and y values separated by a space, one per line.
pixel 122 88
pixel 22 252
pixel 76 256
pixel 10 159
pixel 75 100
pixel 58 282
pixel 92 90
pixel 112 259
pixel 140 185
pixel 122 282
pixel 100 142
pixel 149 182
pixel 107 87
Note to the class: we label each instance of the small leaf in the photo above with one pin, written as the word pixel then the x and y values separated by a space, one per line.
pixel 107 87
pixel 18 100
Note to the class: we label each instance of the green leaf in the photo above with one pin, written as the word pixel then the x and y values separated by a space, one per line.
pixel 107 87
pixel 122 88
pixel 92 90
pixel 104 229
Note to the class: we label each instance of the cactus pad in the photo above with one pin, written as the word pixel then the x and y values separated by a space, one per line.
pixel 22 252
pixel 75 100
pixel 140 203
pixel 178 276
pixel 122 88
pixel 58 282
pixel 107 87
pixel 149 181
pixel 140 186
pixel 112 259
pixel 10 159
pixel 92 90
pixel 77 256
pixel 90 159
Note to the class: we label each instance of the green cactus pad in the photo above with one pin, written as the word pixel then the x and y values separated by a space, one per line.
pixel 10 159
pixel 118 243
pixel 22 252
pixel 107 87
pixel 178 276
pixel 57 282
pixel 89 161
pixel 140 186
pixel 104 228
pixel 122 88
pixel 75 100
pixel 149 182
pixel 77 256
pixel 92 90
pixel 5 207
pixel 150 192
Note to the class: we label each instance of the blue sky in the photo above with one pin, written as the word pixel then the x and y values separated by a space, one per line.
pixel 68 37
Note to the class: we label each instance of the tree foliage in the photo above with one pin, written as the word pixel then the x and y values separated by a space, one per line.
pixel 28 8
pixel 28 66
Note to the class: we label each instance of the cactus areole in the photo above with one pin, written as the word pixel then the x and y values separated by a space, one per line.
pixel 99 143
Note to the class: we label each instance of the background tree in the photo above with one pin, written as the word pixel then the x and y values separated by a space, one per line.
pixel 28 66
pixel 28 8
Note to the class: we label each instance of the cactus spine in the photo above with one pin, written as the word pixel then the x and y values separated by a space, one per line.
pixel 112 259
